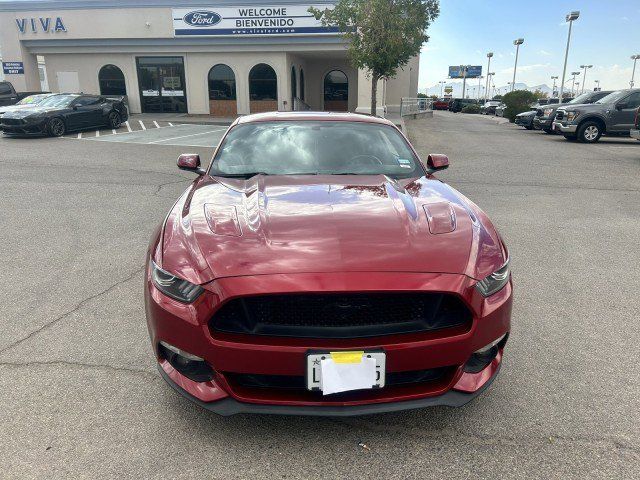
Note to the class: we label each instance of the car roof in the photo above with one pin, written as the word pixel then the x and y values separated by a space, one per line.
pixel 311 116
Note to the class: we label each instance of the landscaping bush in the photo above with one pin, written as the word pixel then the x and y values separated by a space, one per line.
pixel 517 102
pixel 471 108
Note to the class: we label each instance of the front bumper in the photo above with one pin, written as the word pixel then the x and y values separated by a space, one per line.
pixel 523 121
pixel 564 127
pixel 187 328
pixel 635 134
pixel 542 123
pixel 24 129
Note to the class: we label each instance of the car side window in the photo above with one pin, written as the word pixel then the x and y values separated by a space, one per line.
pixel 5 89
pixel 633 100
pixel 85 101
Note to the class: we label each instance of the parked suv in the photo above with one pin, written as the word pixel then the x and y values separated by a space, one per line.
pixel 457 104
pixel 635 132
pixel 611 115
pixel 546 115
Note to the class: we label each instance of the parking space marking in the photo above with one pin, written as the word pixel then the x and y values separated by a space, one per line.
pixel 142 125
pixel 156 124
pixel 185 136
pixel 79 134
pixel 113 131
pixel 97 133
pixel 170 124
pixel 128 126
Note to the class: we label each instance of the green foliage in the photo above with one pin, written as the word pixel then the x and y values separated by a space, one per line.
pixel 383 35
pixel 517 102
pixel 471 108
pixel 422 95
pixel 540 94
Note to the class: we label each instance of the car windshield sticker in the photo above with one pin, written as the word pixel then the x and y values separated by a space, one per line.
pixel 404 163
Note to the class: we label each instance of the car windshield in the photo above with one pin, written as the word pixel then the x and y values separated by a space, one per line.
pixel 32 100
pixel 580 99
pixel 613 97
pixel 315 147
pixel 58 101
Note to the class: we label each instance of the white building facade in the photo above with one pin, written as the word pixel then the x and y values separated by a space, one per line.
pixel 216 57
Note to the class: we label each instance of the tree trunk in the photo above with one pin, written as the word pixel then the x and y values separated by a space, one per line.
pixel 374 94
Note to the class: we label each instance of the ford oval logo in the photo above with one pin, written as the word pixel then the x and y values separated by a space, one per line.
pixel 202 18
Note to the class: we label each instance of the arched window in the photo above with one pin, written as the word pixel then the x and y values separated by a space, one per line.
pixel 336 91
pixel 222 83
pixel 111 80
pixel 263 84
pixel 294 87
pixel 301 84
pixel 263 89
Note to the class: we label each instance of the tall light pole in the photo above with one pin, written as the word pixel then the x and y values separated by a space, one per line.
pixel 489 55
pixel 480 77
pixel 574 82
pixel 441 82
pixel 584 78
pixel 490 83
pixel 464 78
pixel 633 72
pixel 570 18
pixel 553 89
pixel 597 82
pixel 517 42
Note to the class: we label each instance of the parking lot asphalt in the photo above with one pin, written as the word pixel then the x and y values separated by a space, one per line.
pixel 81 397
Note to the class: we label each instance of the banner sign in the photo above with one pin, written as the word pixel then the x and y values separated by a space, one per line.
pixel 13 68
pixel 244 21
pixel 473 71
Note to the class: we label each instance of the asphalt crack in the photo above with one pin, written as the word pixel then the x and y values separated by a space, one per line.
pixel 73 310
pixel 66 363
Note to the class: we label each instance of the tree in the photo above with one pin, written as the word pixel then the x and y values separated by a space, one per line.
pixel 383 35
pixel 540 94
pixel 517 102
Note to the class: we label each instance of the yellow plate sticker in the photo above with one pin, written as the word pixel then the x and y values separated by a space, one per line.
pixel 347 357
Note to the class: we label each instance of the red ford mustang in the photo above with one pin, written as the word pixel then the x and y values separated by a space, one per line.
pixel 317 267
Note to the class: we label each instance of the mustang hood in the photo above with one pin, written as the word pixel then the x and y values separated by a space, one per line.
pixel 26 112
pixel 294 224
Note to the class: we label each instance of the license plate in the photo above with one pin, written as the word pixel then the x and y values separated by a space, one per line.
pixel 348 366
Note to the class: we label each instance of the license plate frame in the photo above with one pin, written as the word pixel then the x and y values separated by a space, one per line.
pixel 312 377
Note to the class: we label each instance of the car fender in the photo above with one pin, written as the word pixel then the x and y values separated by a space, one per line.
pixel 594 117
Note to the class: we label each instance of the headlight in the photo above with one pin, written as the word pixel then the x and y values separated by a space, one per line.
pixel 495 281
pixel 572 116
pixel 548 111
pixel 174 287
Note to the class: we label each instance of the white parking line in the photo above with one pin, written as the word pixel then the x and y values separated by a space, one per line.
pixel 156 124
pixel 128 126
pixel 97 133
pixel 185 136
pixel 170 124
pixel 142 125
pixel 79 134
pixel 113 130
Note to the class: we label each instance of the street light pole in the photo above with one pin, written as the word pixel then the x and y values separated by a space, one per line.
pixel 574 82
pixel 553 91
pixel 464 79
pixel 441 82
pixel 517 42
pixel 584 78
pixel 570 18
pixel 633 72
pixel 479 85
pixel 597 82
pixel 489 55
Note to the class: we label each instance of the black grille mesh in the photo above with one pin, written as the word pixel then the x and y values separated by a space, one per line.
pixel 340 315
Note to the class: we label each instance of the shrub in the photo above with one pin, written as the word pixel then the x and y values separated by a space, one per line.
pixel 517 102
pixel 471 108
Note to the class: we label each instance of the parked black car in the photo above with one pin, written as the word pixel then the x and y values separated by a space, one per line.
pixel 63 113
pixel 525 119
pixel 9 96
pixel 457 104
pixel 547 114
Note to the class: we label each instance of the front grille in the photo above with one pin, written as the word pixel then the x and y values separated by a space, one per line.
pixel 12 121
pixel 350 315
pixel 294 382
pixel 559 114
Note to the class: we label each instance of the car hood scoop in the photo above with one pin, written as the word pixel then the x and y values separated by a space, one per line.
pixel 319 223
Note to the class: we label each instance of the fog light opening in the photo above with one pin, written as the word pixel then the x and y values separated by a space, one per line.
pixel 481 358
pixel 189 365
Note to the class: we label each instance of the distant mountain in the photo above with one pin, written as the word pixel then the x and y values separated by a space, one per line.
pixel 472 89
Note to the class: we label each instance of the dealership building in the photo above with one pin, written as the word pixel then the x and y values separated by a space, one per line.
pixel 216 57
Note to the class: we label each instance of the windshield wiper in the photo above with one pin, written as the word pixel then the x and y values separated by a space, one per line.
pixel 239 175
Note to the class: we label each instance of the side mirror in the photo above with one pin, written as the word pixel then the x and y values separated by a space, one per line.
pixel 436 162
pixel 75 107
pixel 190 162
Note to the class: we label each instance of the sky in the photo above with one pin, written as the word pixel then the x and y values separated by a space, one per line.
pixel 605 36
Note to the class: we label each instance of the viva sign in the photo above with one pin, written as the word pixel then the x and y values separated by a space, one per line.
pixel 44 24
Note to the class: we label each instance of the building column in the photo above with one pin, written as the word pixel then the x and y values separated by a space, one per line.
pixel 364 94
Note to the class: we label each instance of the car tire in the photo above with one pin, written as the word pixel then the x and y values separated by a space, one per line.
pixel 590 132
pixel 114 120
pixel 548 130
pixel 56 127
pixel 528 127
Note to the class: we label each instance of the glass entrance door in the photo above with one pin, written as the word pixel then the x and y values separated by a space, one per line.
pixel 162 84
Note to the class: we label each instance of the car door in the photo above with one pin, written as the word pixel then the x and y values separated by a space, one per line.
pixel 86 112
pixel 624 113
